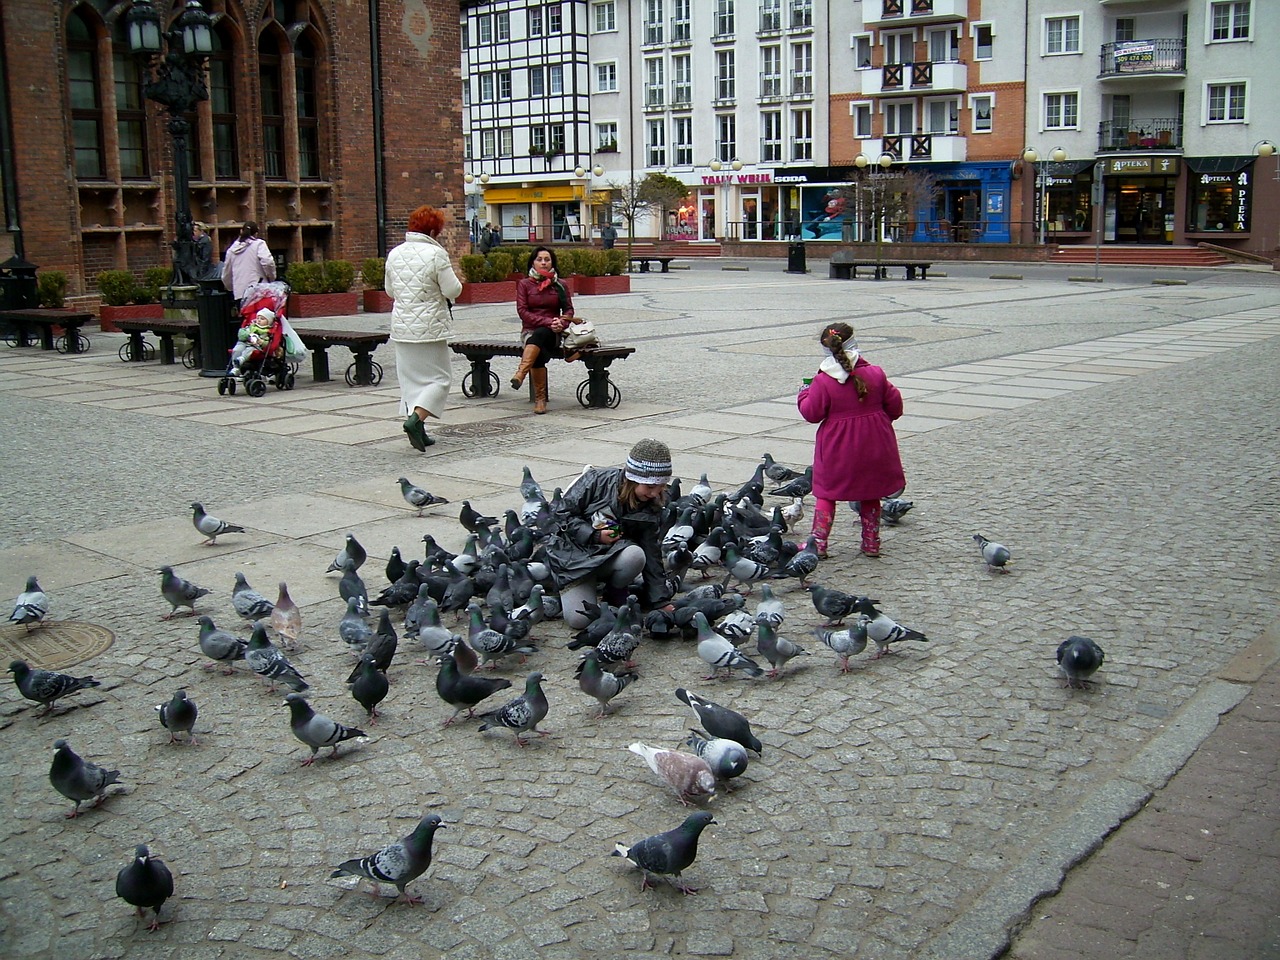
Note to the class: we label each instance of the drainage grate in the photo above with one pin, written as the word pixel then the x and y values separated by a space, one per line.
pixel 56 645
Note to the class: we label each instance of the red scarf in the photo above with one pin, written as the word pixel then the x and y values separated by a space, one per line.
pixel 548 277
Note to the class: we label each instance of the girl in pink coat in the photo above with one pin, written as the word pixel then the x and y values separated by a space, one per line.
pixel 855 455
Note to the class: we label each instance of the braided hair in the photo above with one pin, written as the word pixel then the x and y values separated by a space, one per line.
pixel 834 336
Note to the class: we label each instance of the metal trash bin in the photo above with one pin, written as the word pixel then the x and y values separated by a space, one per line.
pixel 795 257
pixel 219 325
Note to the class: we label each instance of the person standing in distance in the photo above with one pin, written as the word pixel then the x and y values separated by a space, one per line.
pixel 246 262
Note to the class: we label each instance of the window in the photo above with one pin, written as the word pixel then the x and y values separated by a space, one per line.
pixel 725 82
pixel 537 81
pixel 502 26
pixel 770 16
pixel 801 14
pixel 944 45
pixel 899 119
pixel 506 142
pixel 1226 102
pixel 654 95
pixel 1061 111
pixel 488 143
pixel 308 96
pixel 555 137
pixel 682 80
pixel 504 84
pixel 535 21
pixel 607 77
pixel 486 88
pixel 555 79
pixel 802 135
pixel 222 107
pixel 656 135
pixel 653 17
pixel 86 105
pixel 726 136
pixel 981 107
pixel 1220 203
pixel 983 40
pixel 900 47
pixel 802 69
pixel 681 28
pixel 1126 29
pixel 942 117
pixel 607 135
pixel 771 136
pixel 724 26
pixel 1061 35
pixel 682 142
pixel 537 140
pixel 604 17
pixel 861 45
pixel 861 113
pixel 484 28
pixel 131 119
pixel 1229 21
pixel 770 71
pixel 271 106
pixel 555 22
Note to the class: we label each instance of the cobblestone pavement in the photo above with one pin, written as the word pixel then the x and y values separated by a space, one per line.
pixel 1119 437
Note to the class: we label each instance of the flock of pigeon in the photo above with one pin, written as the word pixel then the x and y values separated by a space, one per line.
pixel 502 584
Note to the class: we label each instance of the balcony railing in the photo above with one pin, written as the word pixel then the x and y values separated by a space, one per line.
pixel 770 21
pixel 653 32
pixel 654 95
pixel 801 83
pixel 770 151
pixel 1129 58
pixel 681 94
pixel 1144 133
pixel 681 32
pixel 801 15
pixel 770 85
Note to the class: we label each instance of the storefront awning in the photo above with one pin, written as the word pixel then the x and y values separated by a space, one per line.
pixel 1068 168
pixel 1218 164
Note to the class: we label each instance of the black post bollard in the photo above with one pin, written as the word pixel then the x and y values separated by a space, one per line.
pixel 218 327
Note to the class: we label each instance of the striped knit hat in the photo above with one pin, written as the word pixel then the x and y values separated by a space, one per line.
pixel 649 462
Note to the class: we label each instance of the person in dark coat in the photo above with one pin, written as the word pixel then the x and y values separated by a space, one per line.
pixel 608 236
pixel 545 309
pixel 608 533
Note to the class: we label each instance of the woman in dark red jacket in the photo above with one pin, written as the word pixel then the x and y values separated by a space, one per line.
pixel 545 307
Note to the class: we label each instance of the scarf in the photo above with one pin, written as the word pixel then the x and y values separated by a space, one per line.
pixel 831 366
pixel 546 279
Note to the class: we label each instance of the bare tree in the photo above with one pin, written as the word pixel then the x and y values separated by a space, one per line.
pixel 635 200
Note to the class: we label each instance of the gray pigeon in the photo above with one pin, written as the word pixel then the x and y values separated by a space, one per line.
pixel 777 650
pixel 210 525
pixel 473 520
pixel 832 604
pixel 721 721
pixel 719 653
pixel 78 779
pixel 399 863
pixel 778 472
pixel 437 639
pixel 314 729
pixel 601 684
pixel 726 758
pixel 353 551
pixel 351 586
pixel 415 496
pixel 417 608
pixel 145 884
pixel 994 555
pixel 883 630
pixel 844 643
pixel 491 645
pixel 369 687
pixel 31 606
pixel 353 628
pixel 460 689
pixel 522 714
pixel 1079 658
pixel 220 646
pixel 269 663
pixel 45 686
pixel 803 563
pixel 687 774
pixel 178 716
pixel 742 569
pixel 893 509
pixel 668 854
pixel 179 592
pixel 249 603
pixel 770 609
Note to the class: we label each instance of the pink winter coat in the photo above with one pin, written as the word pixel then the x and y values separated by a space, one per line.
pixel 855 455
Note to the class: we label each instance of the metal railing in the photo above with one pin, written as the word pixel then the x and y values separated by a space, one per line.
pixel 1126 57
pixel 1140 133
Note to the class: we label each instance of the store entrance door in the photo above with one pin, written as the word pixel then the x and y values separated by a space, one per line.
pixel 1144 209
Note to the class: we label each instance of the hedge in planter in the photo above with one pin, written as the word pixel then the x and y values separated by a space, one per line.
pixel 123 299
pixel 481 280
pixel 373 276
pixel 321 288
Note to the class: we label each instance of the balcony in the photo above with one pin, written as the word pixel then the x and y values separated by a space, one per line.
pixel 1143 58
pixel 897 79
pixel 801 15
pixel 770 22
pixel 654 96
pixel 892 13
pixel 681 95
pixel 770 86
pixel 653 32
pixel 801 83
pixel 1140 134
pixel 681 33
pixel 770 151
pixel 937 147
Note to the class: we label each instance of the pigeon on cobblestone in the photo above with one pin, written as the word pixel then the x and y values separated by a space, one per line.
pixel 285 618
pixel 220 646
pixel 437 639
pixel 687 774
pixel 845 643
pixel 893 509
pixel 398 863
pixel 249 603
pixel 803 563
pixel 718 653
pixel 601 684
pixel 994 555
pixel 491 645
pixel 351 586
pixel 668 854
pixel 78 779
pixel 45 686
pixel 721 721
pixel 473 520
pixel 353 628
pixel 523 714
pixel 833 604
pixel 1079 658
pixel 800 486
pixel 395 566
pixel 210 525
pixel 883 630
pixel 351 550
pixel 178 716
pixel 314 729
pixel 778 472
pixel 179 592
pixel 461 690
pixel 415 496
pixel 145 884
pixel 742 569
pixel 726 758
pixel 777 650
pixel 269 663
pixel 382 645
pixel 31 606
pixel 770 609
pixel 369 686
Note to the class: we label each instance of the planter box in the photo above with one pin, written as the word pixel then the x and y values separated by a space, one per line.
pixel 589 286
pixel 503 291
pixel 132 311
pixel 376 301
pixel 323 304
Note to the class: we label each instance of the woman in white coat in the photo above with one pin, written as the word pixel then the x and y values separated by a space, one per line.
pixel 420 278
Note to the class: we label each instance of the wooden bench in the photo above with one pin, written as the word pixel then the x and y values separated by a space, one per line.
pixel 844 266
pixel 645 262
pixel 138 349
pixel 25 320
pixel 598 390
pixel 364 370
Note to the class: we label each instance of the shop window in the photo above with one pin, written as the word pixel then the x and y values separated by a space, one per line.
pixel 1220 203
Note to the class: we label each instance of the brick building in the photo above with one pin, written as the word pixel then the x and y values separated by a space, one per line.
pixel 327 123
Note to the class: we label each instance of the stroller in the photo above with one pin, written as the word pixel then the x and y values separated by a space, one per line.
pixel 269 358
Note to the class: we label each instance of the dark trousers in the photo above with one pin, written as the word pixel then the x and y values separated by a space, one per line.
pixel 546 340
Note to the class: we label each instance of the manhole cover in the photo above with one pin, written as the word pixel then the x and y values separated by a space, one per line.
pixel 56 645
pixel 481 430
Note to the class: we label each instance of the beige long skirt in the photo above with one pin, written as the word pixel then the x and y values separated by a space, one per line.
pixel 425 375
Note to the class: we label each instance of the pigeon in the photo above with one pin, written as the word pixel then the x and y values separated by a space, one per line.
pixel 395 566
pixel 415 496
pixel 994 555
pixel 522 714
pixel 78 779
pixel 178 716
pixel 622 640
pixel 740 568
pixel 831 603
pixel 179 592
pixel 721 721
pixel 702 489
pixel 473 520
pixel 314 729
pixel 769 609
pixel 370 686
pixel 687 774
pixel 31 606
pixel 801 486
pixel 462 691
pixel 351 550
pixel 351 586
pixel 753 489
pixel 883 630
pixel 45 686
pixel 793 512
pixel 437 639
pixel 777 650
pixel 532 609
pixel 726 758
pixel 668 854
pixel 893 509
pixel 707 554
pixel 145 884
pixel 353 628
pixel 285 618
pixel 269 663
pixel 529 487
pixel 844 643
pixel 210 525
pixel 249 603
pixel 220 646
pixel 778 472
pixel 717 652
pixel 736 626
pixel 398 863
pixel 601 684
pixel 803 563
pixel 491 645
pixel 1078 658
pixel 382 646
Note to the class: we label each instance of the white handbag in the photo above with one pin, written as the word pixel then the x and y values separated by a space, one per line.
pixel 579 334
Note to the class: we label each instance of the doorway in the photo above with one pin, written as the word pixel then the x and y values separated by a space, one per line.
pixel 962 211
pixel 1143 211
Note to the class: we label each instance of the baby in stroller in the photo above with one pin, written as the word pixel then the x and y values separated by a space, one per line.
pixel 267 348
pixel 259 336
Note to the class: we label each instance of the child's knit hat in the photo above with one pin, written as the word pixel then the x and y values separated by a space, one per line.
pixel 267 314
pixel 649 462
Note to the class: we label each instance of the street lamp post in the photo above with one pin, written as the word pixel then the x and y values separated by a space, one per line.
pixel 1057 155
pixel 715 166
pixel 175 79
pixel 581 173
pixel 878 213
pixel 477 183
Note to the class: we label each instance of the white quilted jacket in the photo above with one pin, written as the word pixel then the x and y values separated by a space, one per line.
pixel 419 277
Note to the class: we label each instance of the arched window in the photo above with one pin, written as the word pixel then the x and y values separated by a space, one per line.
pixel 304 64
pixel 131 113
pixel 86 102
pixel 222 104
pixel 272 93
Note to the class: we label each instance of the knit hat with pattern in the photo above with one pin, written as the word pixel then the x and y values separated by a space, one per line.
pixel 649 462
